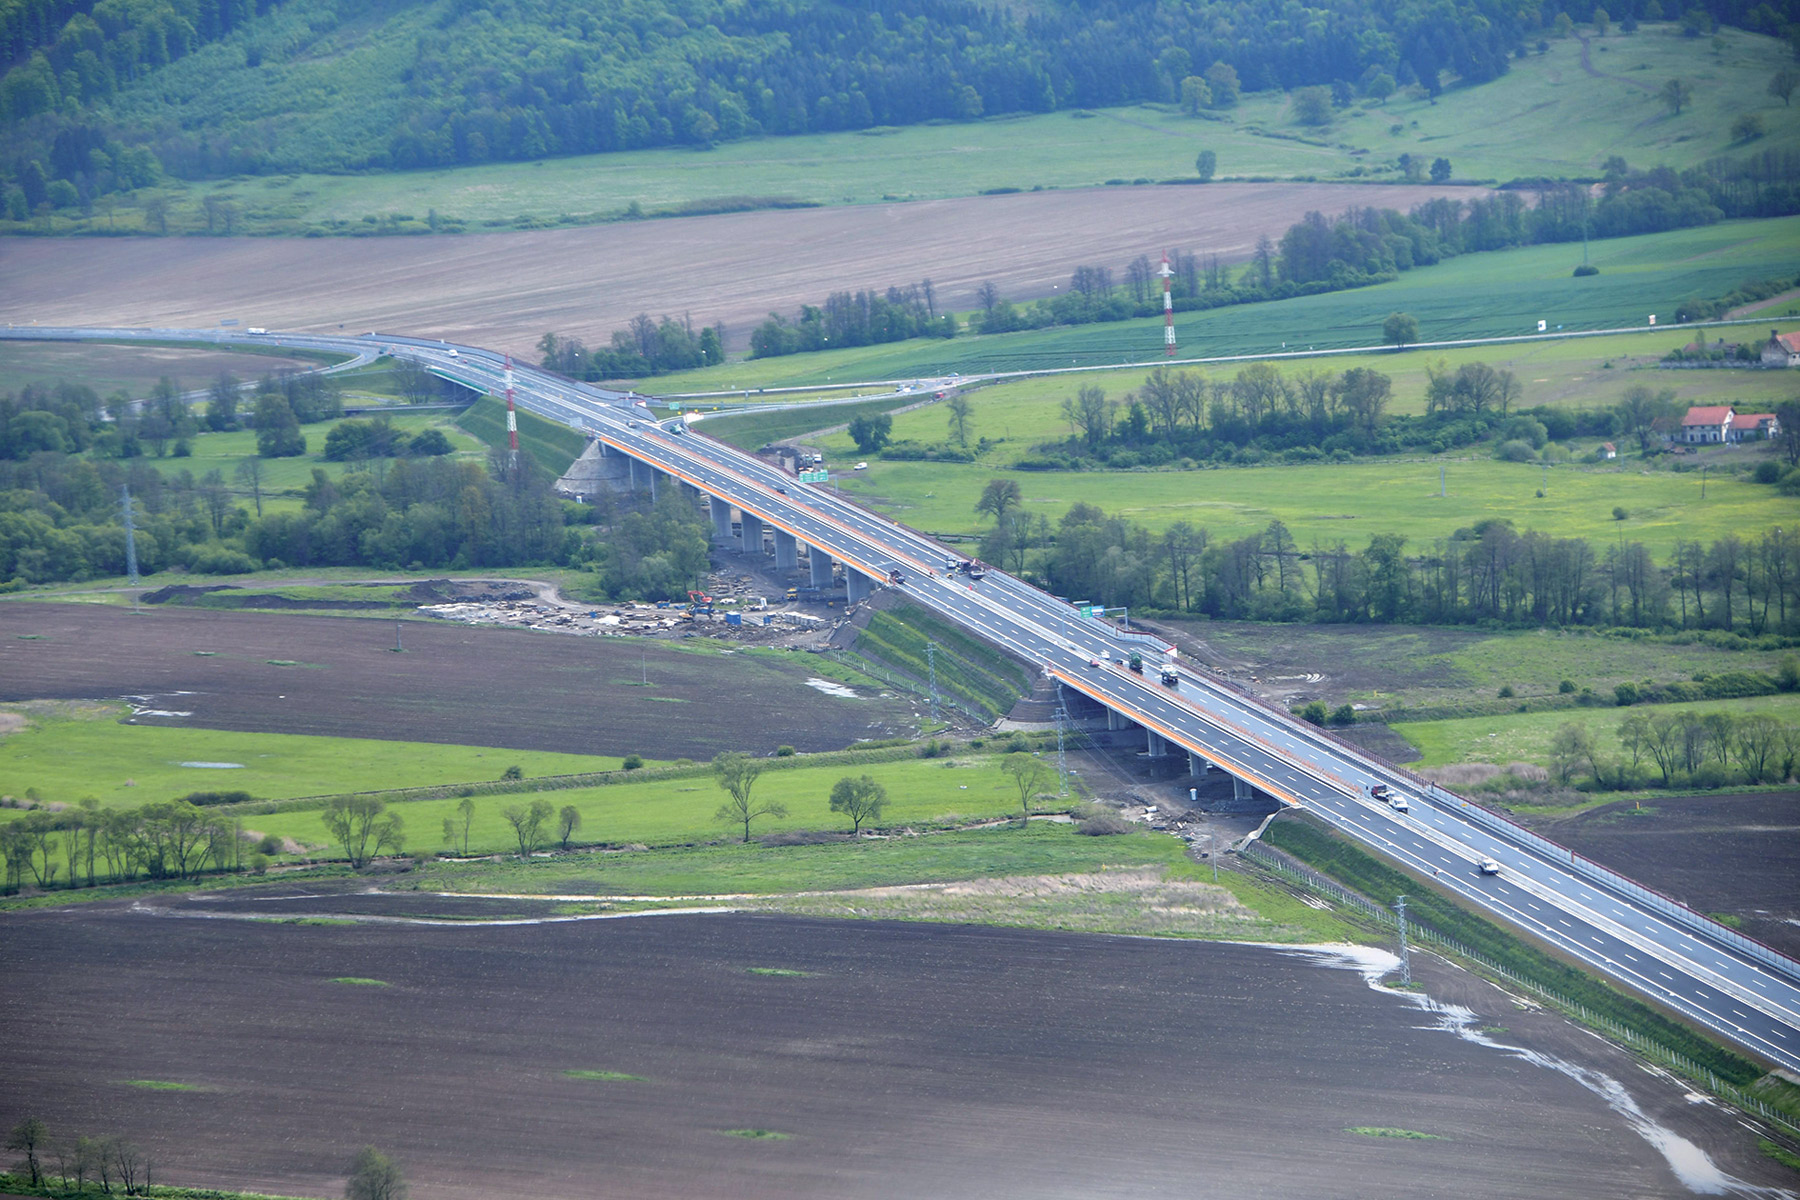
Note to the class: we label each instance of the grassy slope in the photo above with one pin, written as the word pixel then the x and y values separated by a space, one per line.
pixel 125 765
pixel 552 446
pixel 1593 117
pixel 1525 737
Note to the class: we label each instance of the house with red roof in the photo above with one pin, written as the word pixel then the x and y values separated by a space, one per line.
pixel 1719 424
pixel 1782 350
pixel 1706 424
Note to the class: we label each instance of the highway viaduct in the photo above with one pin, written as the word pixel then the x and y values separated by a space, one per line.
pixel 1746 993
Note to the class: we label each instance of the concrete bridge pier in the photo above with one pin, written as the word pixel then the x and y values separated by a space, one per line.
pixel 819 567
pixel 752 535
pixel 858 586
pixel 721 517
pixel 1155 745
pixel 787 552
pixel 1196 765
pixel 1241 789
pixel 1115 720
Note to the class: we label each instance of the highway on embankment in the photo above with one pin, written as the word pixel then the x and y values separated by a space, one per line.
pixel 1742 991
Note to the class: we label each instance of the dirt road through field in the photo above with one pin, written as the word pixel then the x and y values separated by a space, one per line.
pixel 505 290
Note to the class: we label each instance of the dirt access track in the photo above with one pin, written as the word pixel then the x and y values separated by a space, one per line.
pixel 899 1060
pixel 505 290
pixel 456 684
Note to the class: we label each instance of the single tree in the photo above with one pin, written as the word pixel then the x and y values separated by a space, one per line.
pixel 374 1176
pixel 456 829
pixel 1028 775
pixel 249 473
pixel 1783 83
pixel 959 418
pixel 1440 170
pixel 1676 95
pixel 363 827
pixel 28 1138
pixel 277 428
pixel 1312 105
pixel 871 433
pixel 1400 329
pixel 567 822
pixel 1747 128
pixel 528 823
pixel 1570 746
pixel 1206 165
pixel 1222 79
pixel 859 799
pixel 736 773
pixel 222 403
pixel 1000 497
pixel 1787 414
pixel 1196 94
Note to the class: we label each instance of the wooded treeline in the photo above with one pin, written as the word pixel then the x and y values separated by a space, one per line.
pixel 1490 573
pixel 444 82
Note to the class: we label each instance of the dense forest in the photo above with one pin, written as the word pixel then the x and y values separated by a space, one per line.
pixel 103 95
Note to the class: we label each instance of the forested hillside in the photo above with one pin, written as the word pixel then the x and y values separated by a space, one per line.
pixel 102 95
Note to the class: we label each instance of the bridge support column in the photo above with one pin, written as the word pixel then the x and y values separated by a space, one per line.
pixel 1155 744
pixel 858 585
pixel 819 566
pixel 1241 789
pixel 1114 721
pixel 721 516
pixel 1196 765
pixel 752 535
pixel 787 554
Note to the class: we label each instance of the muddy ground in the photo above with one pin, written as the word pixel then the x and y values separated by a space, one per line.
pixel 909 1060
pixel 1736 855
pixel 504 290
pixel 454 684
pixel 136 369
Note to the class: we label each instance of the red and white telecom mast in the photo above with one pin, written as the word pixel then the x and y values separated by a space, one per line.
pixel 1168 310
pixel 512 420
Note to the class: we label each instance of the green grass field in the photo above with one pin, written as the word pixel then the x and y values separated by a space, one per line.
pixel 134 367
pixel 676 811
pixel 1351 501
pixel 1495 131
pixel 126 765
pixel 1525 737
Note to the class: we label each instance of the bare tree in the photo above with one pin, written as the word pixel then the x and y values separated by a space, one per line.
pixel 736 772
pixel 1028 775
pixel 250 473
pixel 456 829
pixel 988 296
pixel 959 418
pixel 1000 497
pixel 567 822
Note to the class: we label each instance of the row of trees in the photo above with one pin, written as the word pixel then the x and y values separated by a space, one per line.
pixel 85 843
pixel 1363 246
pixel 863 318
pixel 1686 747
pixel 644 347
pixel 78 1161
pixel 1488 573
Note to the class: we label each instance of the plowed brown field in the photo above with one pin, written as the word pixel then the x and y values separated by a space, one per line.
pixel 504 290
pixel 900 1061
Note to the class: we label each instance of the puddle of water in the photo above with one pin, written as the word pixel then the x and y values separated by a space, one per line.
pixel 1690 1164
pixel 831 688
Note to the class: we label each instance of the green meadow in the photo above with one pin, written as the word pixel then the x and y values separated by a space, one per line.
pixel 673 811
pixel 66 759
pixel 1491 132
pixel 1525 737
pixel 1349 502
